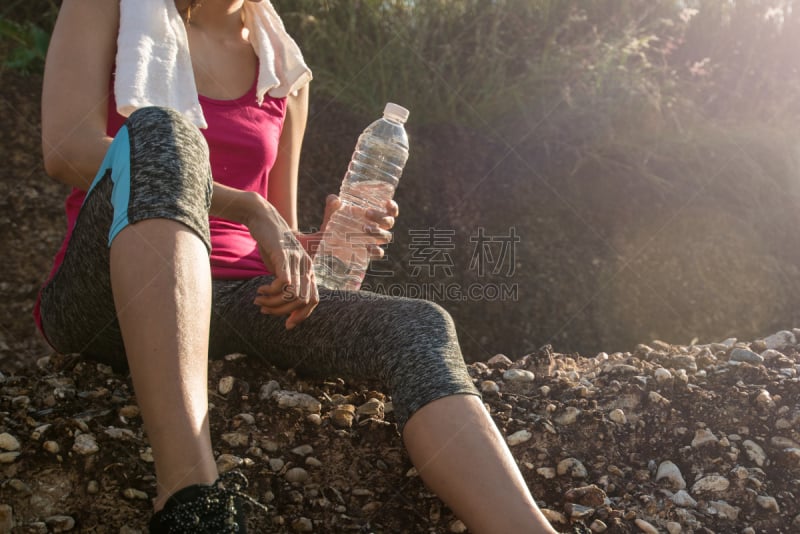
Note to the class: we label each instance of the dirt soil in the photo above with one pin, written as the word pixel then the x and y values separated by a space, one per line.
pixel 662 438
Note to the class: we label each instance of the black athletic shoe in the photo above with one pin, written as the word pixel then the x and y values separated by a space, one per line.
pixel 201 509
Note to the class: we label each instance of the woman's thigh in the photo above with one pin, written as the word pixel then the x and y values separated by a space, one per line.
pixel 408 344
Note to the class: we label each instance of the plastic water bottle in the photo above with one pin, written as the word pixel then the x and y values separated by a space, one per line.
pixel 375 168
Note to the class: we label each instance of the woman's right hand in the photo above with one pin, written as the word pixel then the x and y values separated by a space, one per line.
pixel 294 290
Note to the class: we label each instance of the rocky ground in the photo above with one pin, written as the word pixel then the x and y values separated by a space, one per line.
pixel 666 438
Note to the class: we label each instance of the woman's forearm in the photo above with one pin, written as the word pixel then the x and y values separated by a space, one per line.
pixel 76 167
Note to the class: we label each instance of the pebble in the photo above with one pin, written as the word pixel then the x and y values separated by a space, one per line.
pixel 598 526
pixel 303 450
pixel 6 518
pixel 618 416
pixel 371 407
pixel 342 416
pixel 118 433
pixel 129 412
pixel 19 486
pixel 294 399
pixel 302 524
pixel 313 462
pixel 236 439
pixel 225 385
pixel 546 472
pixel 764 400
pixel 276 464
pixel 568 417
pixel 779 340
pixel 60 523
pixel 711 483
pixel 297 474
pixel 703 436
pixel 755 452
pixel 245 419
pixel 724 510
pixel 662 375
pixel 657 398
pixel 768 503
pixel 489 387
pixel 147 455
pixel 578 511
pixel 771 355
pixel 781 442
pixel 314 419
pixel 8 442
pixel 457 526
pixel 520 436
pixel 51 446
pixel 683 499
pixel 672 473
pixel 227 462
pixel 499 361
pixel 746 355
pixel 591 496
pixel 266 390
pixel 674 528
pixel 134 494
pixel 554 516
pixel 85 444
pixel 572 467
pixel 93 487
pixel 519 376
pixel 645 527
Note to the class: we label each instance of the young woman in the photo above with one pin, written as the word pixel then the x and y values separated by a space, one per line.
pixel 183 243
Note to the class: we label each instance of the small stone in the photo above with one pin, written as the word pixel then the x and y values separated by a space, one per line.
pixel 225 385
pixel 780 442
pixel 520 436
pixel 302 524
pixel 755 452
pixel 645 527
pixel 85 444
pixel 457 526
pixel 519 376
pixel 618 416
pixel 371 507
pixel 568 417
pixel 373 407
pixel 683 499
pixel 92 487
pixel 598 526
pixel 125 529
pixel 711 483
pixel 314 419
pixel 362 492
pixel 768 503
pixel 657 398
pixel 662 375
pixel 227 462
pixel 703 436
pixel 293 399
pixel 134 494
pixel 745 355
pixel 672 473
pixel 236 439
pixel 489 387
pixel 724 510
pixel 268 389
pixel 554 517
pixel 771 355
pixel 129 412
pixel 546 472
pixel 764 400
pixel 146 455
pixel 578 511
pixel 313 462
pixel 60 523
pixel 342 416
pixel 20 487
pixel 6 518
pixel 276 464
pixel 591 496
pixel 674 528
pixel 51 446
pixel 119 433
pixel 8 442
pixel 499 361
pixel 245 419
pixel 297 474
pixel 779 340
pixel 303 450
pixel 572 467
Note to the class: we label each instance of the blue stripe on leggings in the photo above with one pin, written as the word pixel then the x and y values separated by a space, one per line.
pixel 118 160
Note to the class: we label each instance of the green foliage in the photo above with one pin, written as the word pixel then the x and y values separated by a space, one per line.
pixel 24 45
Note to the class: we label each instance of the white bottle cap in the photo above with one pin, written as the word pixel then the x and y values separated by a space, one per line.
pixel 398 113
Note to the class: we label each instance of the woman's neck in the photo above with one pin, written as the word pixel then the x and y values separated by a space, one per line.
pixel 215 17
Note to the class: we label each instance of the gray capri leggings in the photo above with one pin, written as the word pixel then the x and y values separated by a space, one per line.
pixel 158 168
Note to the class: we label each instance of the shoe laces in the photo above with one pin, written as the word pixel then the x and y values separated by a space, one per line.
pixel 214 510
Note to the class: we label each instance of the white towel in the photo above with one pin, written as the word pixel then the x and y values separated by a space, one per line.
pixel 154 67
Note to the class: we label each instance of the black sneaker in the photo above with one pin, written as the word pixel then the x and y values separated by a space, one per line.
pixel 201 509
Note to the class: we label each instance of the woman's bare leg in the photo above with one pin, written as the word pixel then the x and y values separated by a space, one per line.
pixel 461 456
pixel 161 280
